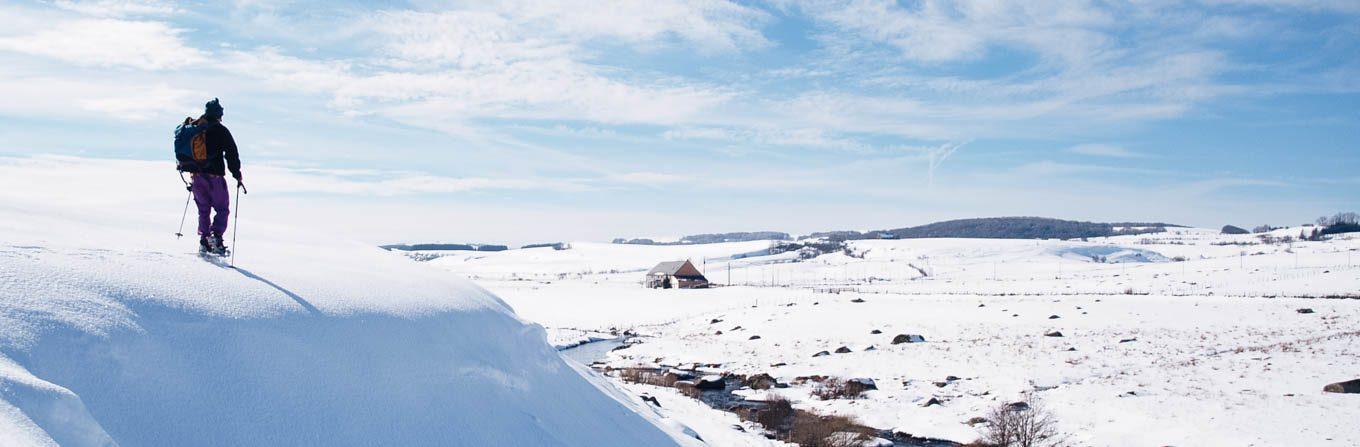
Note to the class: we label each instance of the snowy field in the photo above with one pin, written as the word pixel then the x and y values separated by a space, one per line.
pixel 1180 338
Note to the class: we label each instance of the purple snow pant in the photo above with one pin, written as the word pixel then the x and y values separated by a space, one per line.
pixel 210 193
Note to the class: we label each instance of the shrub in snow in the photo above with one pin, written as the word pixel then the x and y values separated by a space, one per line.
pixel 1022 424
pixel 810 430
pixel 834 388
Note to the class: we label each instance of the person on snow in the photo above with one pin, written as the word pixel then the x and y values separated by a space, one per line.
pixel 209 184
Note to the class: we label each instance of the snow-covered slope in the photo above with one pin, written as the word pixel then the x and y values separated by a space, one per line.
pixel 112 332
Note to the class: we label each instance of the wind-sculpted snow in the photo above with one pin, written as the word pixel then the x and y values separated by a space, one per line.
pixel 111 334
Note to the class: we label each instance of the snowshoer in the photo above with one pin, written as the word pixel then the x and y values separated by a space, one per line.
pixel 209 184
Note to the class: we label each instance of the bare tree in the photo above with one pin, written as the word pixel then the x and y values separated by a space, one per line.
pixel 1022 424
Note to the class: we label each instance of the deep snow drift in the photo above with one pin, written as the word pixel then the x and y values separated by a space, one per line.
pixel 114 333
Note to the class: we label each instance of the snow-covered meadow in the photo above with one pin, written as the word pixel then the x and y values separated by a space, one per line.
pixel 1186 337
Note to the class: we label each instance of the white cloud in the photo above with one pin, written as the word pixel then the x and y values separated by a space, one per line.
pixel 113 99
pixel 1104 150
pixel 146 45
pixel 118 8
pixel 709 25
pixel 808 137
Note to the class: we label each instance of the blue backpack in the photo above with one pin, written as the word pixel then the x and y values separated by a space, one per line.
pixel 191 146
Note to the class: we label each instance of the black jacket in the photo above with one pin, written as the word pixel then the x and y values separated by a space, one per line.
pixel 221 146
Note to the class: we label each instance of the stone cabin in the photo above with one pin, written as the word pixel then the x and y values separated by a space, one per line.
pixel 675 275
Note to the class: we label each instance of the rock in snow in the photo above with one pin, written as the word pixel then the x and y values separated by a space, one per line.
pixel 711 382
pixel 907 338
pixel 1349 387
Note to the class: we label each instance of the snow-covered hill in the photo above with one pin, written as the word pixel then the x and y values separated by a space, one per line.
pixel 112 332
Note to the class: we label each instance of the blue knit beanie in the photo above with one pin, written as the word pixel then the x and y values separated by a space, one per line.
pixel 212 109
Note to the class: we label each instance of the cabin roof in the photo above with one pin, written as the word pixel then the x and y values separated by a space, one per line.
pixel 682 269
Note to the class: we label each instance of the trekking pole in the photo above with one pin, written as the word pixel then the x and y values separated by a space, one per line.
pixel 236 220
pixel 185 214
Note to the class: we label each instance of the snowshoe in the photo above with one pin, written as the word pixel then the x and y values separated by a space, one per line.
pixel 214 246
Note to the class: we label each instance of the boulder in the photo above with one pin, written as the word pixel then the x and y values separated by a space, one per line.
pixel 1305 310
pixel 821 354
pixel 1128 340
pixel 976 420
pixel 907 338
pixel 1347 387
pixel 871 348
pixel 761 381
pixel 864 383
pixel 711 382
pixel 715 321
pixel 1053 334
pixel 754 337
pixel 843 350
pixel 680 374
pixel 875 332
pixel 857 300
pixel 932 401
pixel 1053 317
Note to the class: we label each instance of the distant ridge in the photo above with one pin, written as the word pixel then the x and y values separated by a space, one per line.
pixel 1005 228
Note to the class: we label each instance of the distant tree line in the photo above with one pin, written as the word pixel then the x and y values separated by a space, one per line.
pixel 1344 222
pixel 554 245
pixel 1005 228
pixel 444 247
pixel 712 238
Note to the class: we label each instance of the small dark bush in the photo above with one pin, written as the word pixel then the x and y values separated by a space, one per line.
pixel 1022 424
pixel 840 389
pixel 810 430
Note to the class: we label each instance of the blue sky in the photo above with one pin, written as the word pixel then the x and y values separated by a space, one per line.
pixel 528 121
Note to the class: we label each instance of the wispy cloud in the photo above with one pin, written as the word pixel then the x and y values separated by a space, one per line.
pixel 147 45
pixel 1104 150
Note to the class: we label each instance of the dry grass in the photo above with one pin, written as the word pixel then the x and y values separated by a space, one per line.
pixel 811 430
pixel 648 376
pixel 835 388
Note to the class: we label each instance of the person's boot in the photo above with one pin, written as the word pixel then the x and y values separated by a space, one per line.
pixel 220 246
pixel 204 245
